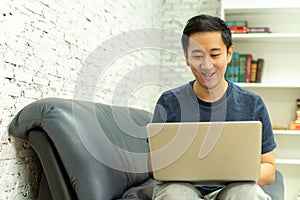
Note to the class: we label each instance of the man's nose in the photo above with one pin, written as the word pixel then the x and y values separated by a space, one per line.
pixel 207 64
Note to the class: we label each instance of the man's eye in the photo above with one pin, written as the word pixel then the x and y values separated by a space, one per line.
pixel 215 55
pixel 198 57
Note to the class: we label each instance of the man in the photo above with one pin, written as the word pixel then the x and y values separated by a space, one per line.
pixel 208 48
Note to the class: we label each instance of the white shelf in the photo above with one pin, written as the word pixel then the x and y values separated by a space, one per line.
pixel 287 132
pixel 266 37
pixel 258 4
pixel 268 85
pixel 288 161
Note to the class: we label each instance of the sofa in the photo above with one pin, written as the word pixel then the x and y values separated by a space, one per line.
pixel 92 151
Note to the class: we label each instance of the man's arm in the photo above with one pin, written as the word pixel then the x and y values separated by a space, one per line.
pixel 268 168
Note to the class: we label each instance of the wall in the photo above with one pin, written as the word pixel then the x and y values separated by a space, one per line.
pixel 98 50
pixel 175 14
pixel 43 46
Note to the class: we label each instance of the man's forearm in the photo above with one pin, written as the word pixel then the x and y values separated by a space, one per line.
pixel 267 174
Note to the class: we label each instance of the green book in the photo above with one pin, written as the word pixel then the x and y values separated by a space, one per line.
pixel 235 58
pixel 229 73
pixel 237 23
pixel 242 68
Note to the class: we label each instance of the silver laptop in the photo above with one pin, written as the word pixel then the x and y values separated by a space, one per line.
pixel 205 152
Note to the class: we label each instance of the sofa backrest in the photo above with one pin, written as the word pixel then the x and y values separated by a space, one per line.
pixel 103 148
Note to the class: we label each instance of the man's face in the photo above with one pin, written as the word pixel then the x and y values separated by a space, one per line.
pixel 207 57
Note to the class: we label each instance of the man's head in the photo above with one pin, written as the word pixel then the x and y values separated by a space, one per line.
pixel 208 48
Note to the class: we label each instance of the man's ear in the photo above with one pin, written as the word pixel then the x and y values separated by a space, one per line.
pixel 229 53
pixel 186 58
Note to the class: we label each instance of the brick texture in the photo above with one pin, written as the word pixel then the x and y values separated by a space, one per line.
pixel 47 45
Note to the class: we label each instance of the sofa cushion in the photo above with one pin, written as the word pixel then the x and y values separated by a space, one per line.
pixel 276 190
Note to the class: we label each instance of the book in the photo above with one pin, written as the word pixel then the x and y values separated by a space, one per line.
pixel 242 68
pixel 232 70
pixel 235 59
pixel 298 110
pixel 229 73
pixel 237 26
pixel 294 125
pixel 258 30
pixel 253 71
pixel 238 29
pixel 236 23
pixel 248 67
pixel 260 65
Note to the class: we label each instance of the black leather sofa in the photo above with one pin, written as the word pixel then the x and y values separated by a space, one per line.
pixel 92 150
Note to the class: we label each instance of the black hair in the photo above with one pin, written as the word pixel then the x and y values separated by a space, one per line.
pixel 204 23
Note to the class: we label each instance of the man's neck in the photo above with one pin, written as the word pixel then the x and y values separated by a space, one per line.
pixel 210 94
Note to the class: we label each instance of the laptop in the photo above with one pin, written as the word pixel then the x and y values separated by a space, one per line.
pixel 206 153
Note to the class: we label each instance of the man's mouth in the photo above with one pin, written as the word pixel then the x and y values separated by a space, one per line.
pixel 207 75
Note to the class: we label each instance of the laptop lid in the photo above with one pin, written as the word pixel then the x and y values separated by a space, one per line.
pixel 206 152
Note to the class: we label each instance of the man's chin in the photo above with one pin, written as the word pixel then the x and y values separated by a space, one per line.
pixel 209 85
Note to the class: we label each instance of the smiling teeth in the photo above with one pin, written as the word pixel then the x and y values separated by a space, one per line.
pixel 208 75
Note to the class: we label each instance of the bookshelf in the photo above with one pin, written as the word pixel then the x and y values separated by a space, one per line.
pixel 269 85
pixel 271 37
pixel 280 84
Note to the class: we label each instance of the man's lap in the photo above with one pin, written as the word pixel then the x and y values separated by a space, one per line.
pixel 185 191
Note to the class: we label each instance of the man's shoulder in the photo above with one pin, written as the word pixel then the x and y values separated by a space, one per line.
pixel 237 90
pixel 180 89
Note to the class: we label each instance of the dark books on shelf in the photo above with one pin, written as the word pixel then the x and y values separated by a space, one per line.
pixel 232 70
pixel 244 69
pixel 237 26
pixel 241 26
pixel 260 64
pixel 235 58
pixel 248 67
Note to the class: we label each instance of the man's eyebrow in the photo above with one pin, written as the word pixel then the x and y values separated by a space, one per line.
pixel 201 51
pixel 197 51
pixel 216 49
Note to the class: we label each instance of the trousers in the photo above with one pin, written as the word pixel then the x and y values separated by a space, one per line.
pixel 187 191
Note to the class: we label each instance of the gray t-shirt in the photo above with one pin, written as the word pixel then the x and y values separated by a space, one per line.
pixel 182 105
pixel 238 104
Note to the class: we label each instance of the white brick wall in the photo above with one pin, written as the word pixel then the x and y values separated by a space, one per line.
pixel 44 45
pixel 174 17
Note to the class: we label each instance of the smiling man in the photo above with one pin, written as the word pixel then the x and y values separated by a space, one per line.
pixel 207 56
pixel 207 46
